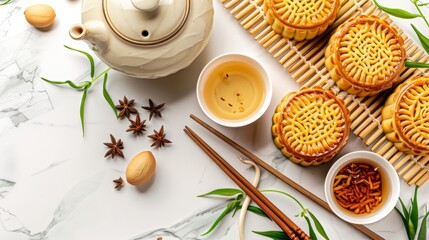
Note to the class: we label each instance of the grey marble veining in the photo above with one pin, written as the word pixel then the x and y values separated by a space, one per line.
pixel 193 226
pixel 22 96
pixel 5 187
pixel 189 228
pixel 7 13
pixel 69 202
pixel 50 167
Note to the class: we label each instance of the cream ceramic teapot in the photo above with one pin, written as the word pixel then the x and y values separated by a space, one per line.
pixel 145 38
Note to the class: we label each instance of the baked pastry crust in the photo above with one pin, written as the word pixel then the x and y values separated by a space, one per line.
pixel 300 19
pixel 365 56
pixel 406 116
pixel 311 126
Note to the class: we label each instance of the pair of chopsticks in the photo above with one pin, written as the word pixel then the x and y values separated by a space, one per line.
pixel 278 174
pixel 287 225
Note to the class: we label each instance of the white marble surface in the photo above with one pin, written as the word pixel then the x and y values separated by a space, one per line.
pixel 55 184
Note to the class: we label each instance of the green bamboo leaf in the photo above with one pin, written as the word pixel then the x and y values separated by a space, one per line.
pixel 400 13
pixel 423 40
pixel 410 64
pixel 82 111
pixel 286 194
pixel 228 209
pixel 310 229
pixel 404 209
pixel 319 226
pixel 404 220
pixel 257 211
pixel 4 3
pixel 411 228
pixel 90 58
pixel 423 229
pixel 275 235
pixel 107 96
pixel 72 84
pixel 414 214
pixel 237 203
pixel 225 192
pixel 410 225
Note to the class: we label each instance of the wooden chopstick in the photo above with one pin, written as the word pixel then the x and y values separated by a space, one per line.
pixel 280 175
pixel 287 225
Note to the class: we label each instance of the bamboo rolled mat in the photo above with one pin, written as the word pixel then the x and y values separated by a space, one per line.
pixel 305 62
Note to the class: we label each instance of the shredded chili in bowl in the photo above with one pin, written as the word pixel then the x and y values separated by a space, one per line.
pixel 358 188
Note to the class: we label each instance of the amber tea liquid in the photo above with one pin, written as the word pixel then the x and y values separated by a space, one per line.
pixel 234 90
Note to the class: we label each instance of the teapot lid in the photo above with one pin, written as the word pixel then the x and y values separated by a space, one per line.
pixel 146 22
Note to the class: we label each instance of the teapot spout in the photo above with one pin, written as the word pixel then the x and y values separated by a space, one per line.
pixel 78 32
pixel 94 32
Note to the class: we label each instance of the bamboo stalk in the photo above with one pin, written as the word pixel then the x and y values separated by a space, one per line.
pixel 385 148
pixel 264 33
pixel 407 167
pixel 244 12
pixel 270 41
pixel 422 180
pixel 279 48
pixel 231 3
pixel 253 16
pixel 402 162
pixel 390 153
pixel 395 157
pixel 374 136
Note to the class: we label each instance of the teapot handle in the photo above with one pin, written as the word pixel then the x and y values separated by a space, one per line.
pixel 146 5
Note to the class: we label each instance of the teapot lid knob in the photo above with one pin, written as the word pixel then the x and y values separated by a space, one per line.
pixel 146 5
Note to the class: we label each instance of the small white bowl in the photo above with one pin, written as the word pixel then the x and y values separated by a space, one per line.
pixel 208 69
pixel 390 181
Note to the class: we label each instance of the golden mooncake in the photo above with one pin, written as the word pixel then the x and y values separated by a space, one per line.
pixel 300 19
pixel 406 116
pixel 365 56
pixel 311 126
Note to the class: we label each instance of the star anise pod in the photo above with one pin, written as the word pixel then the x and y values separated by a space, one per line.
pixel 115 147
pixel 118 183
pixel 158 138
pixel 154 110
pixel 137 126
pixel 126 108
